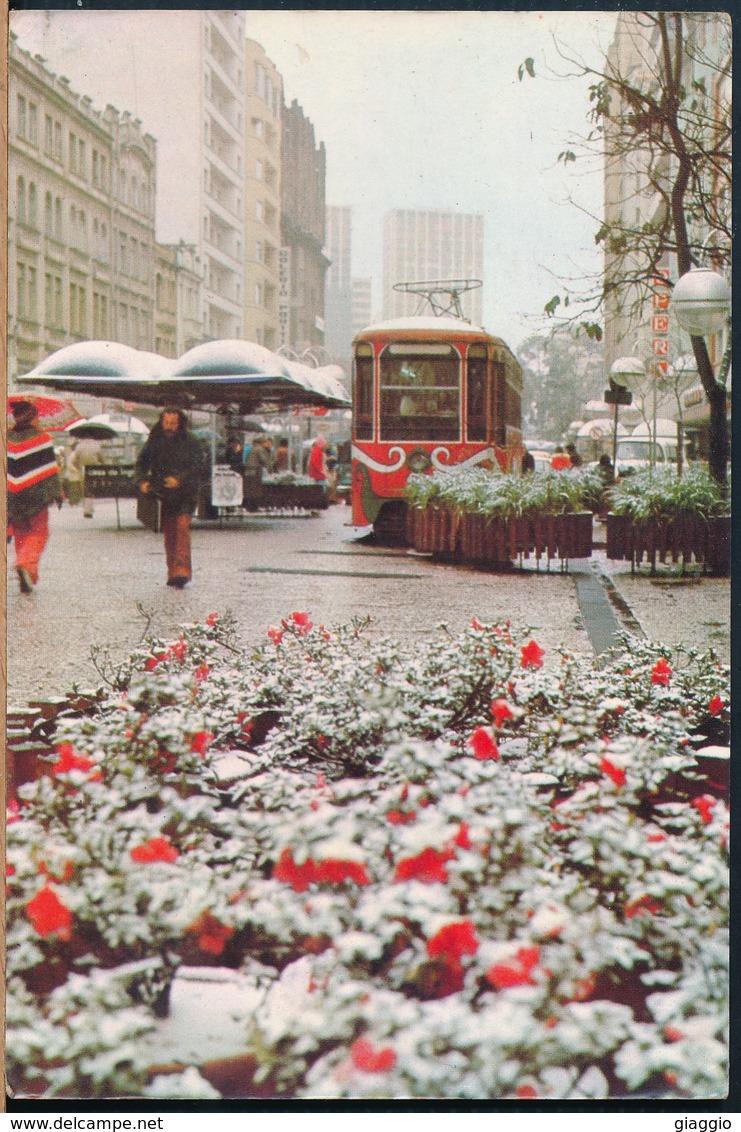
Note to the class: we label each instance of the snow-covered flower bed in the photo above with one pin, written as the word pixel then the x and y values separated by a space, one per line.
pixel 458 869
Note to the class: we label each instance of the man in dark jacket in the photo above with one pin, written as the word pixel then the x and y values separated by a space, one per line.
pixel 259 461
pixel 33 484
pixel 169 466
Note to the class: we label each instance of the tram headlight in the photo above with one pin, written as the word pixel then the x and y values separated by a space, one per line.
pixel 418 460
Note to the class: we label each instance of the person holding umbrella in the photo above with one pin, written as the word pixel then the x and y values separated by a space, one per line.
pixel 169 467
pixel 33 484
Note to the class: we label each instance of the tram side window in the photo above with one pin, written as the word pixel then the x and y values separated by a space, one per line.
pixel 363 399
pixel 500 404
pixel 420 394
pixel 476 393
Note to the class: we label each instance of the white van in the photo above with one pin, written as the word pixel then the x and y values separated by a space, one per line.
pixel 634 451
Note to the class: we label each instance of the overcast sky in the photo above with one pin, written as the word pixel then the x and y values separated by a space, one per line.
pixel 425 110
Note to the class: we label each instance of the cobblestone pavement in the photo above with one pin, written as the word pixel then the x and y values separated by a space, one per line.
pixel 102 585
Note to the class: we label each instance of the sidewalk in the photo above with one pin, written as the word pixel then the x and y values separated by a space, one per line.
pixel 102 588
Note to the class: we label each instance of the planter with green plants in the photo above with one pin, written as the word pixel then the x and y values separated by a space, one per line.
pixel 490 518
pixel 658 516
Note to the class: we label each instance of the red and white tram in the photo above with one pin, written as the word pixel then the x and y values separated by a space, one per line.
pixel 429 392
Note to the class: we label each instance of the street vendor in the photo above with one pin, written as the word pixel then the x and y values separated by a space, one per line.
pixel 259 461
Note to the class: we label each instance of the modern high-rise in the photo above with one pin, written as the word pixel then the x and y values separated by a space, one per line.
pixel 263 118
pixel 304 261
pixel 182 72
pixel 425 244
pixel 338 294
pixel 638 181
pixel 362 304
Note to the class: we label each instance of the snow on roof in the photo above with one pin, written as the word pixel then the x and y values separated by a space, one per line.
pixel 444 323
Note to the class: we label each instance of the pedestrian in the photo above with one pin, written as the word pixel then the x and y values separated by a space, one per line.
pixel 72 481
pixel 318 462
pixel 87 453
pixel 560 461
pixel 527 463
pixel 169 467
pixel 576 460
pixel 259 461
pixel 332 476
pixel 34 482
pixel 281 461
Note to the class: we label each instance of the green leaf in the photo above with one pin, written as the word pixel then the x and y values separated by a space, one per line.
pixel 551 305
pixel 529 66
pixel 592 330
pixel 567 155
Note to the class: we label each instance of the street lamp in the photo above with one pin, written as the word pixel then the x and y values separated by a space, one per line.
pixel 700 300
pixel 622 371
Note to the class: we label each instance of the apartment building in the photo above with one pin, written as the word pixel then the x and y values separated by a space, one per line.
pixel 263 118
pixel 362 303
pixel 80 218
pixel 424 244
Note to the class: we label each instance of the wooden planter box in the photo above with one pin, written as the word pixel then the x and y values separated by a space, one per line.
pixel 495 541
pixel 706 542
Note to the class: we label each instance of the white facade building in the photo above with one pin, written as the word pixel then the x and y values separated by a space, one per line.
pixel 425 244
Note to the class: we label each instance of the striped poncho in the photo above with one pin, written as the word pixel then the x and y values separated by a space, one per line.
pixel 33 473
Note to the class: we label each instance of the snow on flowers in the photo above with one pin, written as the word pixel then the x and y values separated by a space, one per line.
pixel 492 877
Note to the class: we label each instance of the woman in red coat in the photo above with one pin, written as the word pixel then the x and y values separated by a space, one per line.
pixel 318 462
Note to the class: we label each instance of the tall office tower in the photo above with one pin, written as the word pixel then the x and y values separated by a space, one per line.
pixel 362 304
pixel 424 244
pixel 182 73
pixel 338 289
pixel 304 261
pixel 81 248
pixel 263 117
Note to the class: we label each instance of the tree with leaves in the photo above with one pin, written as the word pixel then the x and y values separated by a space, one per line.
pixel 660 118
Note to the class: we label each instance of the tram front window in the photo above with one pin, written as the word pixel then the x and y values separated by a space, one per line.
pixel 420 393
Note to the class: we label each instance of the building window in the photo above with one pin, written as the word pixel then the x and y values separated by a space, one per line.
pixel 21 290
pixel 33 123
pixel 58 312
pixel 259 251
pixel 48 135
pixel 20 196
pixel 32 211
pixel 95 166
pixel 73 152
pixel 48 300
pixel 21 123
pixel 259 211
pixel 81 158
pixel 259 170
pixel 58 141
pixel 58 218
pixel 48 215
pixel 103 171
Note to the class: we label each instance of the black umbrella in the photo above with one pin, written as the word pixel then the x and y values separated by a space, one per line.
pixel 91 430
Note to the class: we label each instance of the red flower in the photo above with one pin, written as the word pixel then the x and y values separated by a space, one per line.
pixel 335 871
pixel 716 705
pixel 461 839
pixel 656 836
pixel 661 671
pixel 532 655
pixel 67 872
pixel 202 673
pixel 443 975
pixel 401 817
pixel 158 658
pixel 12 812
pixel 476 624
pixel 212 619
pixel 10 870
pixel 245 723
pixel 501 711
pixel 69 760
pixel 454 940
pixel 49 915
pixel 371 1059
pixel 212 934
pixel 642 906
pixel 275 634
pixel 200 742
pixel 705 805
pixel 155 850
pixel 526 1092
pixel 179 649
pixel 322 742
pixel 673 1034
pixel 301 623
pixel 616 773
pixel 428 866
pixel 298 876
pixel 483 745
pixel 517 972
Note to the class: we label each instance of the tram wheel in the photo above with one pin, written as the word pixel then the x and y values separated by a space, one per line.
pixel 390 527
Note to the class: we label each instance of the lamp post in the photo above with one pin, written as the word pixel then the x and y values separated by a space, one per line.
pixel 621 372
pixel 701 301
